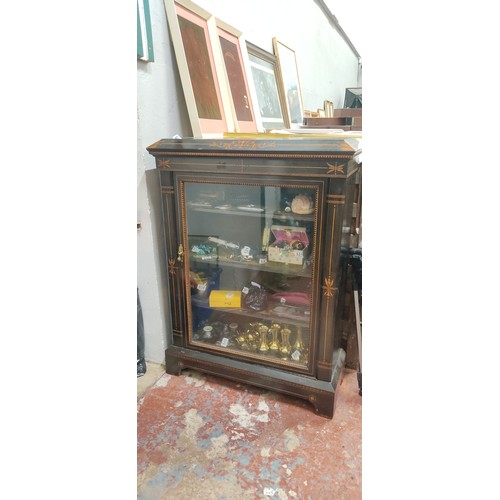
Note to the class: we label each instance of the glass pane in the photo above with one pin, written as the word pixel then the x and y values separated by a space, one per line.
pixel 250 254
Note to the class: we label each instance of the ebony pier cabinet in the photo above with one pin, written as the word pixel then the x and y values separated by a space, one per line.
pixel 257 235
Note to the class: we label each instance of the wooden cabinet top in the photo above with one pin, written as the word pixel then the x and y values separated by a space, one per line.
pixel 284 145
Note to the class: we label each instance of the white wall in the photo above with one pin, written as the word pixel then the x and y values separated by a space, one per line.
pixel 161 112
pixel 326 67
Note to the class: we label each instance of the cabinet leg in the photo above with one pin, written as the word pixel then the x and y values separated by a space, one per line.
pixel 172 365
pixel 324 405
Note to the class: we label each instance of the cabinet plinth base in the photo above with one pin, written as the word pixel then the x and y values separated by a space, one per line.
pixel 319 393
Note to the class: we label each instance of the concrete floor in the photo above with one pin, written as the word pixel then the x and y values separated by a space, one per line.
pixel 204 437
pixel 153 373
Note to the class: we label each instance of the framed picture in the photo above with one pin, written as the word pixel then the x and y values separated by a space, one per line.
pixel 193 31
pixel 269 96
pixel 328 108
pixel 236 64
pixel 290 84
pixel 353 97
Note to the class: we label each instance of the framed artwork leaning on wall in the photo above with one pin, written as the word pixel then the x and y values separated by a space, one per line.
pixel 235 56
pixel 269 96
pixel 199 58
pixel 290 84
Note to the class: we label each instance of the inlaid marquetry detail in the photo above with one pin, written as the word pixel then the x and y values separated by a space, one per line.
pixel 258 154
pixel 239 144
pixel 171 265
pixel 335 169
pixel 163 163
pixel 328 288
pixel 335 199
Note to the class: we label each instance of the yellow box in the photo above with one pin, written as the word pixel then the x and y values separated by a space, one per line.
pixel 225 298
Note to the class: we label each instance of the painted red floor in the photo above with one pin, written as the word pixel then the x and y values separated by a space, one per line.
pixel 203 437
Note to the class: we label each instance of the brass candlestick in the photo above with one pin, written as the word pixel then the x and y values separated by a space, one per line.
pixel 263 339
pixel 285 341
pixel 299 344
pixel 274 345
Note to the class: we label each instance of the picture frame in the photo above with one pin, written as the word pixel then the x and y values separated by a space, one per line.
pixel 328 108
pixel 290 83
pixel 237 71
pixel 193 31
pixel 353 97
pixel 269 95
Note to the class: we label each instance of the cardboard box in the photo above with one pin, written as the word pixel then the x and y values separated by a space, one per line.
pixel 225 298
pixel 286 238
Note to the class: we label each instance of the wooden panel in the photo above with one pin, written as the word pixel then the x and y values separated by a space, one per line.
pixel 324 122
pixel 344 112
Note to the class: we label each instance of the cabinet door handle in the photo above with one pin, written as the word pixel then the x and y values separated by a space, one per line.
pixel 180 254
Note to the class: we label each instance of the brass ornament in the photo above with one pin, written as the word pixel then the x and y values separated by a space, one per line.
pixel 299 344
pixel 242 342
pixel 263 339
pixel 274 345
pixel 251 337
pixel 285 341
pixel 239 337
pixel 180 254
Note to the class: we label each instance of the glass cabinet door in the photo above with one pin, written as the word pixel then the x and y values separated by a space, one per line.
pixel 249 251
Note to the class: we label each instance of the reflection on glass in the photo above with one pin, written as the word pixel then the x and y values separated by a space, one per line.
pixel 250 255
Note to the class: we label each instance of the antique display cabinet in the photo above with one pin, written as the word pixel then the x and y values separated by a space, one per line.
pixel 256 235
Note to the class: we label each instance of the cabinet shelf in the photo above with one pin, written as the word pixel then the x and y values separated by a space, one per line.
pixel 282 216
pixel 266 314
pixel 270 267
